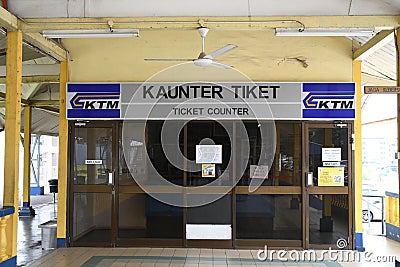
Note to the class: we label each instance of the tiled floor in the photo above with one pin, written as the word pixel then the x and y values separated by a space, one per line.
pixel 376 246
pixel 128 257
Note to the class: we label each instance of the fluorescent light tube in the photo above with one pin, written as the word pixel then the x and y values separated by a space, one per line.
pixel 325 32
pixel 106 33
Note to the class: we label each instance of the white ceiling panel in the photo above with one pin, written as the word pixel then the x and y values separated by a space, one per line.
pixel 39 8
pixel 148 8
pixel 138 8
pixel 375 7
pixel 299 8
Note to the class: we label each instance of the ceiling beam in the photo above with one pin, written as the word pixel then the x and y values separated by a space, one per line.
pixel 12 23
pixel 47 47
pixel 374 44
pixel 27 102
pixel 43 103
pixel 36 70
pixel 37 79
pixel 8 20
pixel 381 22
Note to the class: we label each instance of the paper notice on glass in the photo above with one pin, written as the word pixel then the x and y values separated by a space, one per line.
pixel 259 171
pixel 330 176
pixel 93 161
pixel 331 154
pixel 209 154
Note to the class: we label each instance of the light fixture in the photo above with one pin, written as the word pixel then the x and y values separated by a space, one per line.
pixel 325 32
pixel 106 33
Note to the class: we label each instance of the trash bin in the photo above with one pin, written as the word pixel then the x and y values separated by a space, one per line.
pixel 49 234
pixel 53 183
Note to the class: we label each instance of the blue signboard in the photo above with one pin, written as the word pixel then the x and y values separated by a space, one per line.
pixel 211 100
pixel 93 101
pixel 329 100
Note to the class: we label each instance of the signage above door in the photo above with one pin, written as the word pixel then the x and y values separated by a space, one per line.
pixel 211 100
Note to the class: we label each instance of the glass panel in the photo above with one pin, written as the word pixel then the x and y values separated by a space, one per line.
pixel 286 165
pixel 92 217
pixel 209 133
pixel 217 212
pixel 131 153
pixel 328 138
pixel 141 216
pixel 156 152
pixel 268 217
pixel 329 218
pixel 93 155
pixel 210 221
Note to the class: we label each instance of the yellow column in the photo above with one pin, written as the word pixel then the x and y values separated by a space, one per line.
pixel 358 158
pixel 12 137
pixel 397 44
pixel 27 155
pixel 62 158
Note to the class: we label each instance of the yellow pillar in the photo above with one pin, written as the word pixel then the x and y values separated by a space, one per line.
pixel 62 158
pixel 27 156
pixel 397 45
pixel 12 135
pixel 358 159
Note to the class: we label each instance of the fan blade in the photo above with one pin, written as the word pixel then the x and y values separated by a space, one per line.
pixel 221 51
pixel 220 65
pixel 168 59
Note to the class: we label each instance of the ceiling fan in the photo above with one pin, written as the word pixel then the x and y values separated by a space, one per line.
pixel 204 60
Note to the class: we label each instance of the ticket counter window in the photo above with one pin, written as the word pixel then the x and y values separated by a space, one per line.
pixel 282 160
pixel 271 212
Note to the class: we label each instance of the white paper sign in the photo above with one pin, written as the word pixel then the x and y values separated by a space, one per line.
pixel 93 161
pixel 259 171
pixel 209 154
pixel 331 164
pixel 209 231
pixel 331 154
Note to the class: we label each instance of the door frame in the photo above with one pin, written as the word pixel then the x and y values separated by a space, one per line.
pixel 234 242
pixel 346 190
pixel 102 188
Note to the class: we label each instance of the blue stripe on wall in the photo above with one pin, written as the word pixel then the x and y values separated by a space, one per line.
pixel 12 262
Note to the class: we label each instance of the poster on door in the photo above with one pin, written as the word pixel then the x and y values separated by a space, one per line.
pixel 208 170
pixel 330 176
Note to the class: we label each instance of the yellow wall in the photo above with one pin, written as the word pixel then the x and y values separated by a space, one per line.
pixel 260 55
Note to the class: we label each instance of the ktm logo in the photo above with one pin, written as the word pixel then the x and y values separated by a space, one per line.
pixel 95 101
pixel 331 101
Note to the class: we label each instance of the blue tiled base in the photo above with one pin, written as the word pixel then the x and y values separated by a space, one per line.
pixel 359 242
pixel 61 242
pixel 24 212
pixel 12 262
pixel 393 232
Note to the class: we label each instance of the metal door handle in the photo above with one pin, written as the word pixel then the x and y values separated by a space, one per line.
pixel 309 179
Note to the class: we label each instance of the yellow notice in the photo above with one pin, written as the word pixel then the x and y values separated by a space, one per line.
pixel 330 176
pixel 208 170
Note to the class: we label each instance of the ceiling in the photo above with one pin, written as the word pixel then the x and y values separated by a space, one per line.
pixel 379 67
pixel 149 8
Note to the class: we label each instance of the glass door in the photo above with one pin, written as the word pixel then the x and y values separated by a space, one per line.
pixel 143 218
pixel 272 214
pixel 92 183
pixel 327 186
pixel 208 221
